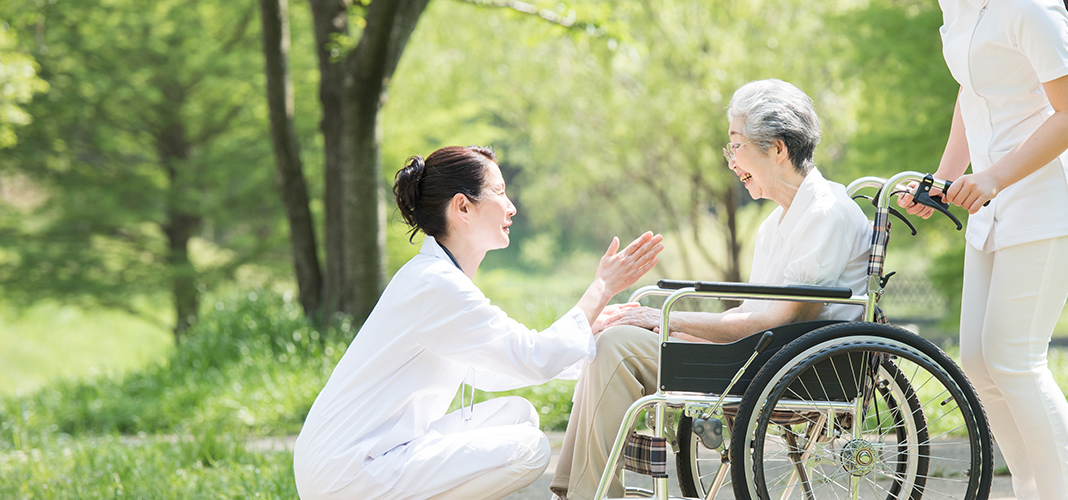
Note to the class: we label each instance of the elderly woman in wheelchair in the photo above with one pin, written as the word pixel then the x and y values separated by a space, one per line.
pixel 795 423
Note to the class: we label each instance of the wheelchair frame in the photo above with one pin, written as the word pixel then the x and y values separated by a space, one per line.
pixel 708 404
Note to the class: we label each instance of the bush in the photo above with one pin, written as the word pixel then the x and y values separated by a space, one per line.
pixel 252 365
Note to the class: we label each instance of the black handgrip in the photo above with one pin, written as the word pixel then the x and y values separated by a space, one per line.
pixel 675 284
pixel 765 341
pixel 923 197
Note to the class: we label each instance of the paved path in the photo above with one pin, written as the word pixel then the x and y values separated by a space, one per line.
pixel 1001 490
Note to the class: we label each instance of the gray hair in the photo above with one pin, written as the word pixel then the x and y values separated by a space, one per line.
pixel 774 109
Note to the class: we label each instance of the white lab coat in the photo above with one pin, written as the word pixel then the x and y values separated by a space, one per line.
pixel 431 331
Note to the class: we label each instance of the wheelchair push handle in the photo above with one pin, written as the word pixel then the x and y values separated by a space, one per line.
pixel 923 196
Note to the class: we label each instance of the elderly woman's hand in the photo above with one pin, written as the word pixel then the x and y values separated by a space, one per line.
pixel 907 201
pixel 606 314
pixel 644 317
pixel 619 270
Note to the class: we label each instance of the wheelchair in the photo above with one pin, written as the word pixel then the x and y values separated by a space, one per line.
pixel 813 410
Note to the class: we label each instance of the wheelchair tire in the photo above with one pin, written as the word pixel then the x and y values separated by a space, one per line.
pixel 922 427
pixel 696 465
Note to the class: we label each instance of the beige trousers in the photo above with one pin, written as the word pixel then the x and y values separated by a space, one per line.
pixel 623 371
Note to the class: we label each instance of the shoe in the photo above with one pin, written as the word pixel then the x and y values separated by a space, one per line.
pixel 557 497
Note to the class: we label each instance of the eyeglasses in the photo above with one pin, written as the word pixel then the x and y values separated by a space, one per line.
pixel 729 150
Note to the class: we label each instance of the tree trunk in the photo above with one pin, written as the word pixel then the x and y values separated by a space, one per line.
pixel 389 25
pixel 330 19
pixel 734 247
pixel 352 94
pixel 180 222
pixel 290 171
pixel 179 229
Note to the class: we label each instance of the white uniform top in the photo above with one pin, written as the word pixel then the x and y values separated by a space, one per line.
pixel 431 330
pixel 1001 51
pixel 823 240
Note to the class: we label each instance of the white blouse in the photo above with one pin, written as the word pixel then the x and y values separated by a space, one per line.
pixel 823 240
pixel 431 330
pixel 1001 51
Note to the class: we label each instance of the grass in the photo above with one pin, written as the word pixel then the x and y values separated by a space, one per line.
pixel 110 407
pixel 151 466
pixel 179 427
pixel 50 342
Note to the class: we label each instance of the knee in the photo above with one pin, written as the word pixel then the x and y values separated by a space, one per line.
pixel 534 452
pixel 523 411
pixel 972 360
pixel 619 342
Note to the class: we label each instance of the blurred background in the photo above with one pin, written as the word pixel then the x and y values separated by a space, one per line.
pixel 194 207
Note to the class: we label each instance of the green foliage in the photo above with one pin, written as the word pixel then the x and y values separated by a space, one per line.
pixel 18 84
pixel 152 131
pixel 892 53
pixel 552 400
pixel 947 276
pixel 251 366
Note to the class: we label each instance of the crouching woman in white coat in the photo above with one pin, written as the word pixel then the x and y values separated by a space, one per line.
pixel 379 428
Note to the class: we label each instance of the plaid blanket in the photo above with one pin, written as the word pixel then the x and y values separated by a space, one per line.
pixel 645 455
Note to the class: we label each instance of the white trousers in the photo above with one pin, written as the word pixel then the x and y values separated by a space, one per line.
pixel 1011 302
pixel 496 453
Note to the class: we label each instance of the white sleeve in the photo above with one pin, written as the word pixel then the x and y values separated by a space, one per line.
pixel 500 380
pixel 461 324
pixel 1042 34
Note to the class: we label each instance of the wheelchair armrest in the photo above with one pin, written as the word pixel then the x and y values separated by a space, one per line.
pixel 795 290
pixel 675 284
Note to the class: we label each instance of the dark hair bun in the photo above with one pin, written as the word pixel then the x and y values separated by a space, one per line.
pixel 424 188
pixel 406 188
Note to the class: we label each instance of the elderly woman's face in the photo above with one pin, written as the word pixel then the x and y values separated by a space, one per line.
pixel 757 171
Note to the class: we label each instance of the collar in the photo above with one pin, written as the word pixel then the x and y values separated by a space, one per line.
pixel 806 192
pixel 434 249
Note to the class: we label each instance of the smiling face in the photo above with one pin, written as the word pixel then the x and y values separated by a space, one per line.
pixel 492 213
pixel 759 172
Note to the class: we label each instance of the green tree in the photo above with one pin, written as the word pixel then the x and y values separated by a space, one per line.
pixel 146 145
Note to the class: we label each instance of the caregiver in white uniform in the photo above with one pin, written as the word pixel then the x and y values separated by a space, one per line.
pixel 379 428
pixel 1011 124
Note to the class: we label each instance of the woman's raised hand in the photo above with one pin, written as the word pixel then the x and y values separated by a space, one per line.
pixel 620 270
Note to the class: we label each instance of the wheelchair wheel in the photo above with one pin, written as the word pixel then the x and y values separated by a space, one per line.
pixel 861 410
pixel 696 465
